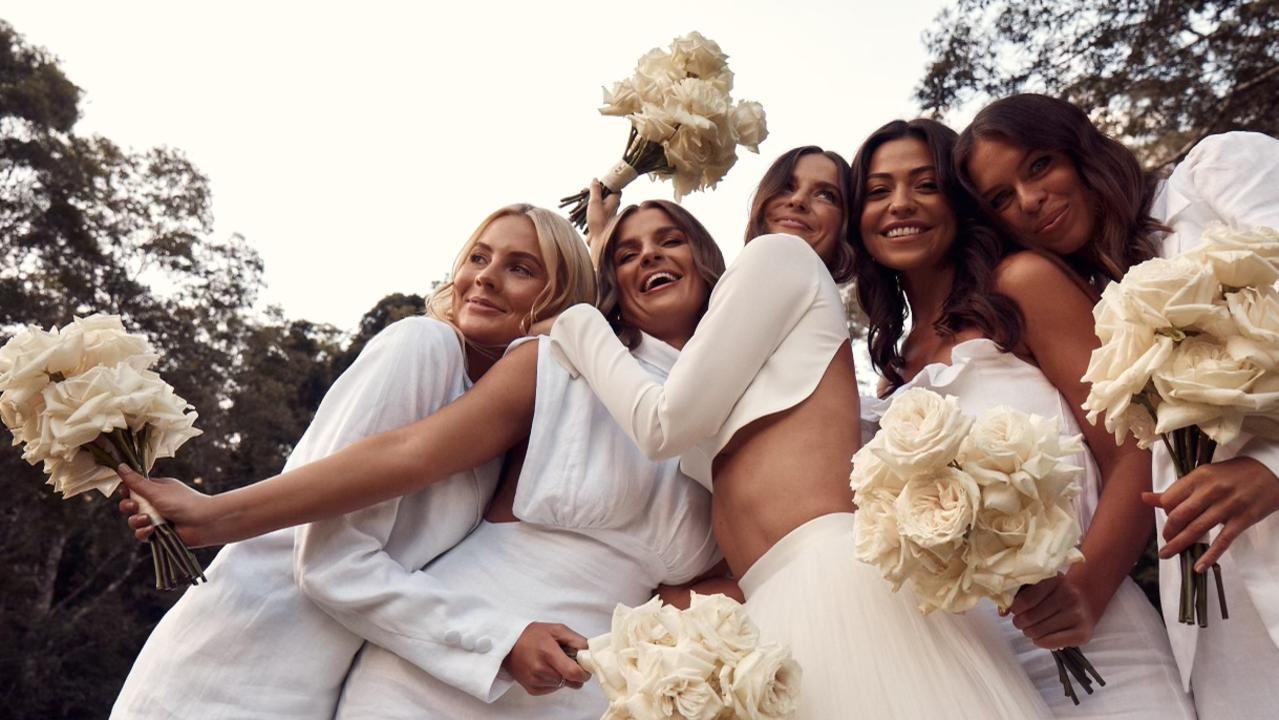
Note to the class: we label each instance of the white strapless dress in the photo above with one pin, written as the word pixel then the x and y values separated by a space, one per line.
pixel 1129 647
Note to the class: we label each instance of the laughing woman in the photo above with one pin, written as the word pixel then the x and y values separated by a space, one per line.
pixel 1016 331
pixel 1048 176
pixel 250 644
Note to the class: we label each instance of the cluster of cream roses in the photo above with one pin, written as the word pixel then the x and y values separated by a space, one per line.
pixel 965 509
pixel 61 389
pixel 1192 340
pixel 679 99
pixel 704 663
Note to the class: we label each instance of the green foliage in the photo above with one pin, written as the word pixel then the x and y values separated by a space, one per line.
pixel 1157 75
pixel 86 226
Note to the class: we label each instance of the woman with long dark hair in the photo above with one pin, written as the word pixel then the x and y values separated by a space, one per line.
pixel 1042 171
pixel 993 328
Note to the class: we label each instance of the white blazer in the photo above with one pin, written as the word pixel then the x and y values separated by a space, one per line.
pixel 249 644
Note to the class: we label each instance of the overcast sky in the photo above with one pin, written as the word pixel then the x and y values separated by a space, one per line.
pixel 356 149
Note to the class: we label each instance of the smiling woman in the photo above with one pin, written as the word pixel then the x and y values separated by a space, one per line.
pixel 657 264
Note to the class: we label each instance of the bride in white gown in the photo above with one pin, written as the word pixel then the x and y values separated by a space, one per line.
pixel 1014 331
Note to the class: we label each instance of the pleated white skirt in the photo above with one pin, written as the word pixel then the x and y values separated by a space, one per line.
pixel 868 652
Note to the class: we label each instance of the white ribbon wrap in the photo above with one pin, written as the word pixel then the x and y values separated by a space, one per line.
pixel 619 177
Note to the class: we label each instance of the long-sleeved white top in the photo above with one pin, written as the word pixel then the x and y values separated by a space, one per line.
pixel 774 321
pixel 249 644
pixel 1231 178
pixel 599 524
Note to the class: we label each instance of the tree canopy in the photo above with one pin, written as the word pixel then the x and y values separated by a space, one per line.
pixel 1158 75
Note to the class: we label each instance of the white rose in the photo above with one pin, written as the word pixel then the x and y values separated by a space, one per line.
pixel 102 340
pixel 654 75
pixel 654 123
pixel 1022 549
pixel 635 628
pixel 602 662
pixel 721 625
pixel 871 478
pixel 877 541
pixel 1245 257
pixel 1163 293
pixel 766 684
pixel 699 56
pixel 1255 311
pixel 749 124
pixel 943 582
pixel 675 682
pixel 1203 385
pixel 1135 419
pixel 621 100
pixel 1121 368
pixel 922 432
pixel 80 408
pixel 80 473
pixel 31 355
pixel 1007 448
pixel 938 508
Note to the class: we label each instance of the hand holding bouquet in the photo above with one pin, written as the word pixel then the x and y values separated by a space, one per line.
pixel 1190 358
pixel 82 400
pixel 703 663
pixel 964 510
pixel 684 124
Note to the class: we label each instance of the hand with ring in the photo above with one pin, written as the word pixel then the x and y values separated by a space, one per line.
pixel 539 663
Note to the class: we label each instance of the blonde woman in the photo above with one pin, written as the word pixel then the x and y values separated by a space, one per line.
pixel 250 643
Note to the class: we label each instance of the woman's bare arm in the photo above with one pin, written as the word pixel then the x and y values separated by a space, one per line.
pixel 1059 334
pixel 475 428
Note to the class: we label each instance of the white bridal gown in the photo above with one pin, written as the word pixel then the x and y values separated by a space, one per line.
pixel 1232 665
pixel 774 322
pixel 1129 647
pixel 249 644
pixel 599 524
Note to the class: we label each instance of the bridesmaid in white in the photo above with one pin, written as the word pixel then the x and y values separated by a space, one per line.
pixel 249 644
pixel 1055 182
pixel 1015 331
pixel 582 521
pixel 764 391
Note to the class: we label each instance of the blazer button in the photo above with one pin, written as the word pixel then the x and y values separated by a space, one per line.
pixel 468 644
pixel 453 637
pixel 484 645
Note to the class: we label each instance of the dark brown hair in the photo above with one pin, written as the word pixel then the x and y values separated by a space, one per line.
pixel 707 260
pixel 1125 233
pixel 976 250
pixel 778 177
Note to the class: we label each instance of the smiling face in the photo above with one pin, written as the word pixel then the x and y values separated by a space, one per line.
pixel 659 288
pixel 495 286
pixel 810 206
pixel 907 222
pixel 1037 195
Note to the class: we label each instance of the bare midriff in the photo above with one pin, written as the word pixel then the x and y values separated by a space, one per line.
pixel 785 469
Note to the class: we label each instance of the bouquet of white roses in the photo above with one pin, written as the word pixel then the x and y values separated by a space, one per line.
pixel 81 400
pixel 965 509
pixel 1190 357
pixel 684 124
pixel 703 663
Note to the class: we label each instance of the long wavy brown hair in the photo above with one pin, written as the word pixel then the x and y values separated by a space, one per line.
pixel 1125 233
pixel 775 181
pixel 976 250
pixel 707 259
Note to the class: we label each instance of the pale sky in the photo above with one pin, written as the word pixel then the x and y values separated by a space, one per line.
pixel 357 149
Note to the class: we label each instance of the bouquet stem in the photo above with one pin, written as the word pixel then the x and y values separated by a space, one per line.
pixel 174 563
pixel 1190 448
pixel 1071 662
pixel 642 156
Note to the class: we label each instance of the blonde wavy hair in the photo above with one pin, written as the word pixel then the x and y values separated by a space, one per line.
pixel 570 277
